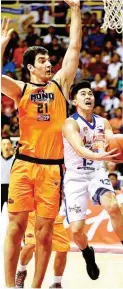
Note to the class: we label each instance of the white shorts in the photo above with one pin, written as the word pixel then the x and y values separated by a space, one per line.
pixel 78 188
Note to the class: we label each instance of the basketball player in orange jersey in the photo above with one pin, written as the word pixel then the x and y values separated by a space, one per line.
pixel 60 244
pixel 84 136
pixel 37 170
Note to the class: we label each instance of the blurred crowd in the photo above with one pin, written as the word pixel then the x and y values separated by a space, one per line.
pixel 100 62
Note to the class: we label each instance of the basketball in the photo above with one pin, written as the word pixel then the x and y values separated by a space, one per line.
pixel 116 141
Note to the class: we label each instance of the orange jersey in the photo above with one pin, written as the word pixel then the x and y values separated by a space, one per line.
pixel 42 112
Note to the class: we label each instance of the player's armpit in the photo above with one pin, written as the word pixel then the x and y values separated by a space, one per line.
pixel 72 133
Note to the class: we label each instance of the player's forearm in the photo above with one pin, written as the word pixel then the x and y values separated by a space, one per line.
pixel 75 28
pixel 86 153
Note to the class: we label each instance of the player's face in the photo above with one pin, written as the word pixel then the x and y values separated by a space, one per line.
pixel 42 67
pixel 85 99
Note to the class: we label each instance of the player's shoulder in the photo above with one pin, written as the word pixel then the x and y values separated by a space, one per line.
pixel 70 123
pixel 74 116
pixel 102 120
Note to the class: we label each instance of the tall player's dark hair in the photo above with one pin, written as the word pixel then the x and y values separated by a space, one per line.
pixel 30 55
pixel 78 86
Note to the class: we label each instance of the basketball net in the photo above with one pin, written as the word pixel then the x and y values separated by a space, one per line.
pixel 113 18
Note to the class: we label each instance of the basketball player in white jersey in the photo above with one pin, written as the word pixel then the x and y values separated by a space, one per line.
pixel 84 152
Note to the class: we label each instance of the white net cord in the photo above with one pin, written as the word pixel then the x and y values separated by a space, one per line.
pixel 113 18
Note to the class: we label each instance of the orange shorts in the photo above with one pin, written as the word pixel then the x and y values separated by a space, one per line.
pixel 60 241
pixel 34 187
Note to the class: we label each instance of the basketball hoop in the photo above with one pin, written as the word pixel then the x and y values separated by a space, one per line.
pixel 113 18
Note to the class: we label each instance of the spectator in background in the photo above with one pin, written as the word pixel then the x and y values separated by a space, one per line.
pixel 110 101
pixel 114 180
pixel 55 49
pixel 4 123
pixel 106 53
pixel 14 125
pixel 38 42
pixel 111 36
pixel 94 20
pixel 47 12
pixel 97 36
pixel 65 39
pixel 51 33
pixel 119 81
pixel 11 74
pixel 100 110
pixel 97 66
pixel 85 58
pixel 113 69
pixel 6 163
pixel 93 49
pixel 109 47
pixel 112 168
pixel 116 122
pixel 119 50
pixel 99 87
pixel 8 65
pixel 86 17
pixel 18 53
pixel 31 36
pixel 40 15
pixel 58 65
pixel 85 37
pixel 13 43
pixel 118 189
pixel 59 14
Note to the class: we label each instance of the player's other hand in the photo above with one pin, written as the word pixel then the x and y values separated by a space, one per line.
pixel 73 3
pixel 108 156
pixel 5 31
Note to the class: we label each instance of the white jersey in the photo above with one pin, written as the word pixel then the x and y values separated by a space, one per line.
pixel 6 164
pixel 94 139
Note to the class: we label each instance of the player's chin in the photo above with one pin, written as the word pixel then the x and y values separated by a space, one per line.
pixel 88 108
pixel 48 77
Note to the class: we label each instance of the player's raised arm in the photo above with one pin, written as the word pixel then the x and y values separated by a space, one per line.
pixel 72 134
pixel 67 73
pixel 9 86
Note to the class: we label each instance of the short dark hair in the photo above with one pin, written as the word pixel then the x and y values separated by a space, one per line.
pixel 7 137
pixel 30 54
pixel 78 86
pixel 113 174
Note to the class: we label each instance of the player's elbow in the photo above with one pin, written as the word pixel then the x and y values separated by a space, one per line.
pixel 79 153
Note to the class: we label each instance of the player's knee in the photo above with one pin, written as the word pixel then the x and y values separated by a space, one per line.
pixel 113 208
pixel 77 231
pixel 30 247
pixel 44 236
pixel 16 231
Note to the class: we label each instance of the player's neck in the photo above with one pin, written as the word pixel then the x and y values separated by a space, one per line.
pixel 6 155
pixel 86 115
pixel 34 79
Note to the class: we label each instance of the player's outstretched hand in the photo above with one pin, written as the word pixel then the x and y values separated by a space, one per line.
pixel 5 31
pixel 73 3
pixel 108 156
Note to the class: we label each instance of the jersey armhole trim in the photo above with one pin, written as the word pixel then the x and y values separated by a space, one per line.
pixel 25 86
pixel 57 86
